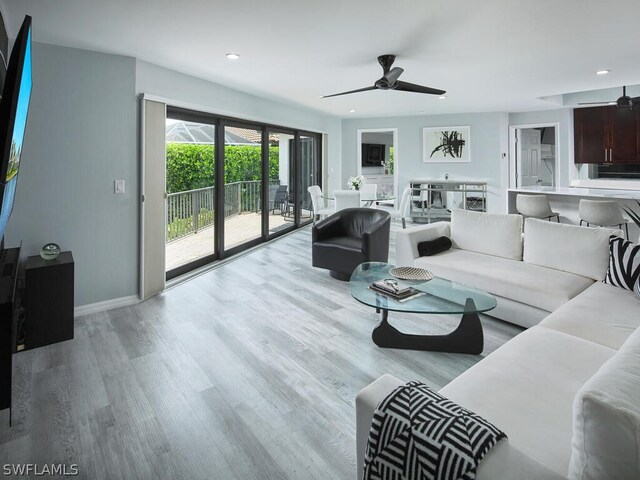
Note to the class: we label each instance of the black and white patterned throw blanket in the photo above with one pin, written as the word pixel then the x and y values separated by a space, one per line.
pixel 417 434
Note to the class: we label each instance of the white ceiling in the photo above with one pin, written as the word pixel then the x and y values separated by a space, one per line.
pixel 499 55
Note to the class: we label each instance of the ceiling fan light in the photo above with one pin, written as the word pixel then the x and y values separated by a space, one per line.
pixel 442 97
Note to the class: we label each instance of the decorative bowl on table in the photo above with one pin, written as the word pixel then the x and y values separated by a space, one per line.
pixel 50 251
pixel 411 273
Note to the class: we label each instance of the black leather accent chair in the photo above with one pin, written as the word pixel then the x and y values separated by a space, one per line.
pixel 348 238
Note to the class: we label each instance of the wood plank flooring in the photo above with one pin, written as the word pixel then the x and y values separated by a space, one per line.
pixel 247 372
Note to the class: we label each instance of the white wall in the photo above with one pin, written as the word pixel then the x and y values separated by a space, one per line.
pixel 488 142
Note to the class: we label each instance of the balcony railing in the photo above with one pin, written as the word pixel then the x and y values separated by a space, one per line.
pixel 189 211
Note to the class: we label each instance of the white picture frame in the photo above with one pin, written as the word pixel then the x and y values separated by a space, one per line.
pixel 446 144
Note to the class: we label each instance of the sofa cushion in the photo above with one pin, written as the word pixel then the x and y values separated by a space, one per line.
pixel 606 419
pixel 489 233
pixel 602 313
pixel 433 247
pixel 570 248
pixel 580 250
pixel 624 263
pixel 533 285
pixel 526 388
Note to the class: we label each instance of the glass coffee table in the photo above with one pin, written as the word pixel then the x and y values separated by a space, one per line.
pixel 441 297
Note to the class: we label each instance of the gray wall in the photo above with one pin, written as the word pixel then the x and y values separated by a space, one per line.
pixel 564 137
pixel 81 135
pixel 488 143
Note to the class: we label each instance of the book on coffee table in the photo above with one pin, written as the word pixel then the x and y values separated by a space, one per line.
pixel 404 293
pixel 392 286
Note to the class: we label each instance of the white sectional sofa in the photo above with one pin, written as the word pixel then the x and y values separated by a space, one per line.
pixel 567 390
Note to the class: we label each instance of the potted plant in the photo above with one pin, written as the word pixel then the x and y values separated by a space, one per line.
pixel 355 183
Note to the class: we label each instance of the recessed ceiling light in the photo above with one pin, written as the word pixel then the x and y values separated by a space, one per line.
pixel 352 110
pixel 602 72
pixel 233 56
pixel 442 97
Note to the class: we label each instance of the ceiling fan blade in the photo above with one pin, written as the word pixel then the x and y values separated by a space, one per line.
pixel 393 75
pixel 596 103
pixel 411 87
pixel 351 91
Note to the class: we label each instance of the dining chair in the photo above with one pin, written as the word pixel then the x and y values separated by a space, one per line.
pixel 346 199
pixel 402 212
pixel 317 202
pixel 369 192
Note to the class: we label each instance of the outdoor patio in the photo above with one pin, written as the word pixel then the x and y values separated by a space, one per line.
pixel 238 229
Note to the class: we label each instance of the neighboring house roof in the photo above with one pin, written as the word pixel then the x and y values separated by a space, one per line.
pixel 191 132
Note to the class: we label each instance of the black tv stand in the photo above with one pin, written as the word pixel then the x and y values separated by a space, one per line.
pixel 9 261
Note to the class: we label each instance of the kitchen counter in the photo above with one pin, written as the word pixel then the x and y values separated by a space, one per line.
pixel 580 192
pixel 565 201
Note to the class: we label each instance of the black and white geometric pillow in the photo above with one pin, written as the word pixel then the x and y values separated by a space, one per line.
pixel 417 434
pixel 636 289
pixel 624 263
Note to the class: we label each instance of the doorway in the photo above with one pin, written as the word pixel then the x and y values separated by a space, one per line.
pixel 534 156
pixel 385 172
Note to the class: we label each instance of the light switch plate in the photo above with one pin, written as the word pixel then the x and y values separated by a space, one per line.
pixel 119 186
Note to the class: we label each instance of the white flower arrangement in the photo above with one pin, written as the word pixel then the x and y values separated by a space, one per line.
pixel 386 164
pixel 355 183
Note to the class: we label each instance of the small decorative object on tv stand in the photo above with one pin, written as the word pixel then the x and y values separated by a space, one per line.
pixel 50 251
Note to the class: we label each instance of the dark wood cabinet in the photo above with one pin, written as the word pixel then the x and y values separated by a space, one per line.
pixel 606 135
pixel 48 300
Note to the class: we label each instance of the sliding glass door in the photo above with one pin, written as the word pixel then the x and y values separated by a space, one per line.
pixel 231 185
pixel 310 172
pixel 280 195
pixel 190 187
pixel 242 185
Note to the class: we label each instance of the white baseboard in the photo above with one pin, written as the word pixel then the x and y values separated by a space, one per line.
pixel 106 305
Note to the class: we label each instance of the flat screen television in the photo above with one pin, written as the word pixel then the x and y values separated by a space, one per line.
pixel 14 108
pixel 372 154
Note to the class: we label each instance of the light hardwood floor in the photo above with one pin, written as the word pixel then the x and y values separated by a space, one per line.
pixel 247 372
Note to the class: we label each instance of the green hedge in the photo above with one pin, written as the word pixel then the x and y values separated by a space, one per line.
pixel 191 166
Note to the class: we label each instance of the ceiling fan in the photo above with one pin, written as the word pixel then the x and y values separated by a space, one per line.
pixel 389 81
pixel 624 101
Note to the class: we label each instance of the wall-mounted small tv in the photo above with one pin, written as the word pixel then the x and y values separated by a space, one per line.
pixel 14 108
pixel 372 154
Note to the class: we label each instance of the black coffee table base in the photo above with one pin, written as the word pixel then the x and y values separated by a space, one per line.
pixel 468 337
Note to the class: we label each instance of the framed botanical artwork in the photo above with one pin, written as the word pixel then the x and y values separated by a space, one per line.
pixel 446 144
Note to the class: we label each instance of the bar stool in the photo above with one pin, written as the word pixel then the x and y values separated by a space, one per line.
pixel 535 206
pixel 603 213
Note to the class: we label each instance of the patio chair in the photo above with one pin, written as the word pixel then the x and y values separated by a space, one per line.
pixel 280 199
